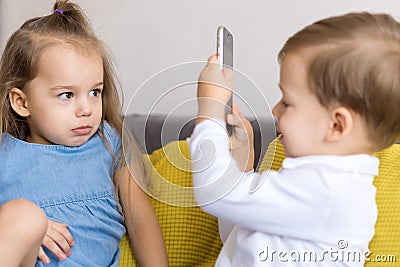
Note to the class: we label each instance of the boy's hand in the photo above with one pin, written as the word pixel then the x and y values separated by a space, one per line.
pixel 58 240
pixel 242 140
pixel 214 90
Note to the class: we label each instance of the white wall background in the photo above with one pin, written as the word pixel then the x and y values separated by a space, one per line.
pixel 147 37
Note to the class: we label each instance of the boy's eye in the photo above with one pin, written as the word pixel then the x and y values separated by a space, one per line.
pixel 284 103
pixel 95 92
pixel 66 95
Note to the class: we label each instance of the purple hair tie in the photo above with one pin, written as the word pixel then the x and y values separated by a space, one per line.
pixel 59 11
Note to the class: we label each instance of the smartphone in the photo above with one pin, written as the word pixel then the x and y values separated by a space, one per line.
pixel 225 58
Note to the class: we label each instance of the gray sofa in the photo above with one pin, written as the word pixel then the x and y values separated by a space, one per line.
pixel 157 130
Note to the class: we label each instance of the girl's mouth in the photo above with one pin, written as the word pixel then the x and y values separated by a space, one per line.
pixel 83 130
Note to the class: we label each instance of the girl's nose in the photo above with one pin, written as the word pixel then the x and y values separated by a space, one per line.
pixel 83 107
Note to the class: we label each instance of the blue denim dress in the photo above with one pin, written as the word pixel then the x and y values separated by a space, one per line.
pixel 73 185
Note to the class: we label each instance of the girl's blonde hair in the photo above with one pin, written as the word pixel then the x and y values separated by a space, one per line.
pixel 353 60
pixel 67 24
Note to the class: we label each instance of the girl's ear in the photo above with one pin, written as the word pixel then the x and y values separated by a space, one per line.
pixel 18 102
pixel 340 125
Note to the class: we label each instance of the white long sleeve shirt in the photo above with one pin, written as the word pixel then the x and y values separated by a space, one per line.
pixel 315 211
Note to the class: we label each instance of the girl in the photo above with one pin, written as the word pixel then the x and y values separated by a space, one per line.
pixel 61 144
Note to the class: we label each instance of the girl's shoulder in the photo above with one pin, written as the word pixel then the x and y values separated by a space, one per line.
pixel 5 139
pixel 109 130
pixel 112 136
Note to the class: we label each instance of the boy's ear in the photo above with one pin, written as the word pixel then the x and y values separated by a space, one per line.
pixel 18 102
pixel 340 125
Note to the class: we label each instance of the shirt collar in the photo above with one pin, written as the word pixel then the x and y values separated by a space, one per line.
pixel 360 163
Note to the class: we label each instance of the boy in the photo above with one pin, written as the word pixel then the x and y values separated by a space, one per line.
pixel 340 86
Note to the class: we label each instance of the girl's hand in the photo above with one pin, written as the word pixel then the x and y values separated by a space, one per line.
pixel 214 90
pixel 242 140
pixel 58 240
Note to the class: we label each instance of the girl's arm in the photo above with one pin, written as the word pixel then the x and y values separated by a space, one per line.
pixel 141 221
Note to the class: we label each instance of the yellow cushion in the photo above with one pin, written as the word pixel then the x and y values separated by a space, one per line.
pixel 127 258
pixel 191 235
pixel 273 158
pixel 385 245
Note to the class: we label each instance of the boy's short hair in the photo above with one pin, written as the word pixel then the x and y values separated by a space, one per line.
pixel 353 61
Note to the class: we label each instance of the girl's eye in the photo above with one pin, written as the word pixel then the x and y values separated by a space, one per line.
pixel 284 103
pixel 95 92
pixel 66 95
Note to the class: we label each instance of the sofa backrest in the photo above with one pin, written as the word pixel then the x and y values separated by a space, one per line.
pixel 157 130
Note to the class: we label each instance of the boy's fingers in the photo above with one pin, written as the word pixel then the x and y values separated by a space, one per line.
pixel 235 108
pixel 237 111
pixel 230 119
pixel 228 73
pixel 235 121
pixel 213 59
pixel 236 118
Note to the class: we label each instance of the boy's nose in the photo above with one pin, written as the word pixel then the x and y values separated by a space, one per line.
pixel 275 110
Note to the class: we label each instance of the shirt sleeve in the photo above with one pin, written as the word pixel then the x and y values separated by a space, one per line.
pixel 268 202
